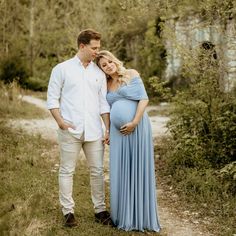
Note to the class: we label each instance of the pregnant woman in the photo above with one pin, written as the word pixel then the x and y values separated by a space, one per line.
pixel 132 175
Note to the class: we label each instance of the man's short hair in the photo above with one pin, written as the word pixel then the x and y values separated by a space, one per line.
pixel 85 36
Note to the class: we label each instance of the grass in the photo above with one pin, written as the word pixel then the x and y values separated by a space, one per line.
pixel 29 202
pixel 37 94
pixel 198 191
pixel 160 110
pixel 11 106
pixel 29 190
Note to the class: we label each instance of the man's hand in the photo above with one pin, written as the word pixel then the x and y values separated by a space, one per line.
pixel 128 128
pixel 65 126
pixel 61 123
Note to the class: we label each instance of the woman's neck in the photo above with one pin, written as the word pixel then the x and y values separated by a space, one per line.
pixel 115 77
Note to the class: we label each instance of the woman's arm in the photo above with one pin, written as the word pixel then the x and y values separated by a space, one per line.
pixel 129 127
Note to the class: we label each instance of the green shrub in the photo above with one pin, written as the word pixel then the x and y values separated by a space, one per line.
pixel 228 176
pixel 12 68
pixel 204 117
pixel 200 154
pixel 159 88
pixel 204 133
pixel 35 84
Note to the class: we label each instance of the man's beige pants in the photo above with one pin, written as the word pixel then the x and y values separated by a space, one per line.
pixel 70 148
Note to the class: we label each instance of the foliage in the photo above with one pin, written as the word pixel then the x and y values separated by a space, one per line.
pixel 200 154
pixel 209 10
pixel 159 88
pixel 13 69
pixel 229 171
pixel 35 84
pixel 204 116
pixel 43 38
pixel 130 29
pixel 152 51
pixel 198 158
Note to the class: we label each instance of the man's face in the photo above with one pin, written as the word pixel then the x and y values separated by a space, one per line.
pixel 90 50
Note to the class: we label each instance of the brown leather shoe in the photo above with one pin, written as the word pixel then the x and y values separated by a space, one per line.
pixel 70 220
pixel 103 218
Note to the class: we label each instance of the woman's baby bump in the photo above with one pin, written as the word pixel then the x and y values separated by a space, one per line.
pixel 122 112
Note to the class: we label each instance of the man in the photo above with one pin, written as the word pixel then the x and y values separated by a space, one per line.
pixel 76 99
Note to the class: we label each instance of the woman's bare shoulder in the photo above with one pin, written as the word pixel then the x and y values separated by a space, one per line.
pixel 132 73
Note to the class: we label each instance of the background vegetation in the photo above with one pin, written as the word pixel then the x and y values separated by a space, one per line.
pixel 198 159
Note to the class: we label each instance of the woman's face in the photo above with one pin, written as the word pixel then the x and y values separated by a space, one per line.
pixel 108 66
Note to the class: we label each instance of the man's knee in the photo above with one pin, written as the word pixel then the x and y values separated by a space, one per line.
pixel 96 171
pixel 66 171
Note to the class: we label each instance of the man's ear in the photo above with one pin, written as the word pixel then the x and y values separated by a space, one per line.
pixel 81 46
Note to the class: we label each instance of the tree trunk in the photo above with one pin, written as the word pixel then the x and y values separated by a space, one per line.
pixel 31 37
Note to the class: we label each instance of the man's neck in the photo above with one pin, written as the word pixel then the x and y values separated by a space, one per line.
pixel 83 60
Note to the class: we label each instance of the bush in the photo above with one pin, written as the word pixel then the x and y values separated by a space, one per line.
pixel 204 133
pixel 159 88
pixel 203 118
pixel 35 84
pixel 13 69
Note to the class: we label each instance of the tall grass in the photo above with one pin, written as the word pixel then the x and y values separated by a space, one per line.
pixel 12 106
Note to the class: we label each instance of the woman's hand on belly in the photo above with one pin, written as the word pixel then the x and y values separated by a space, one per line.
pixel 128 128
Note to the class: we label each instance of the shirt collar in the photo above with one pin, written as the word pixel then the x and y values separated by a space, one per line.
pixel 77 59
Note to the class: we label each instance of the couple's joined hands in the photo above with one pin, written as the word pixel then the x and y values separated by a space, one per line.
pixel 106 139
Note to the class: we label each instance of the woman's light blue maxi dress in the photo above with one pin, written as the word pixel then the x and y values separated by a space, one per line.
pixel 132 175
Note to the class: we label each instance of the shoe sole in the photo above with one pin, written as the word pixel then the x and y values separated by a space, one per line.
pixel 70 225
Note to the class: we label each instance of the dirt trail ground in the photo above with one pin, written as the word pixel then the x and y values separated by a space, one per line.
pixel 172 222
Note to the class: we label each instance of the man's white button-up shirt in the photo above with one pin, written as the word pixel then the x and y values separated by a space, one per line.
pixel 80 94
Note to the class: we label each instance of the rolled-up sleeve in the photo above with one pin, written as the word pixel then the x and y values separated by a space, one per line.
pixel 104 106
pixel 54 88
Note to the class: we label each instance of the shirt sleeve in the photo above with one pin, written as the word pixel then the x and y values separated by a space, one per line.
pixel 104 106
pixel 54 88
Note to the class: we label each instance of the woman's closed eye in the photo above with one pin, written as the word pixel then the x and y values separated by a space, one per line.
pixel 103 65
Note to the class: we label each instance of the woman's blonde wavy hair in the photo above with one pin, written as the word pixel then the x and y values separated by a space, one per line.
pixel 121 70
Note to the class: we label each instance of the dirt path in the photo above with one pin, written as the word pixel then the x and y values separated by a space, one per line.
pixel 173 224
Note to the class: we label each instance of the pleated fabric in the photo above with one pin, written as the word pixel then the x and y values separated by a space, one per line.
pixel 132 175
